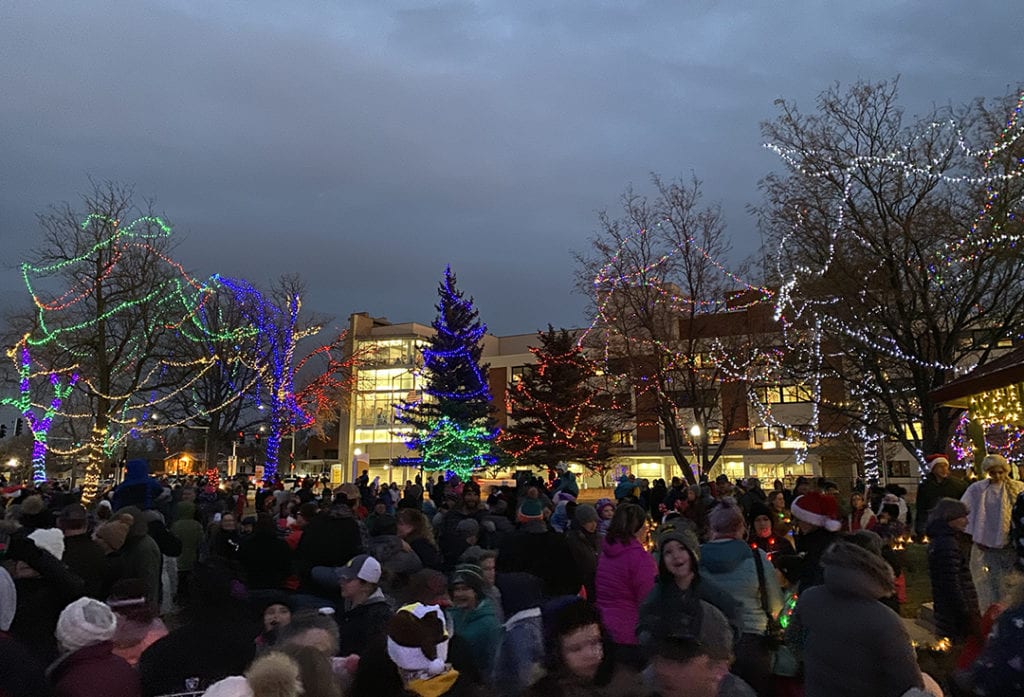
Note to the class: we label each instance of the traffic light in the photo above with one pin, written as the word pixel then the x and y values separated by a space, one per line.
pixel 17 427
pixel 3 430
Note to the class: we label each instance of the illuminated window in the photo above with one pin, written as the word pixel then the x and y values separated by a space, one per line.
pixel 783 394
pixel 520 371
pixel 622 439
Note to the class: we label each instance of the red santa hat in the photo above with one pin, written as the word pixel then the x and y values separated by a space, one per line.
pixel 932 460
pixel 817 509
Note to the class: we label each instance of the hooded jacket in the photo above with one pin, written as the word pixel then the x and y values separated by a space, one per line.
pixel 625 575
pixel 138 488
pixel 956 601
pixel 480 629
pixel 852 644
pixel 730 565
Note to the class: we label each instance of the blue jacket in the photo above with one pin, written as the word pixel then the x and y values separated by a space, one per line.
pixel 138 488
pixel 730 565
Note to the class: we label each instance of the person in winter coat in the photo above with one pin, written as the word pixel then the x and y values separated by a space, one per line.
pixel 217 640
pixel 733 566
pixel 585 545
pixel 363 624
pixel 761 534
pixel 578 655
pixel 538 550
pixel 956 602
pixel 190 531
pixel 474 618
pixel 450 540
pixel 415 531
pixel 860 516
pixel 852 645
pixel 87 666
pixel 605 512
pixel 417 649
pixel 140 555
pixel 937 484
pixel 331 539
pixel 275 674
pixel 990 504
pixel 817 521
pixel 625 575
pixel 998 670
pixel 522 645
pixel 21 673
pixel 44 587
pixel 669 604
pixel 138 488
pixel 81 554
pixel 265 558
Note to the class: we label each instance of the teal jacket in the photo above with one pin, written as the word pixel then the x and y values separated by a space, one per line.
pixel 729 564
pixel 482 632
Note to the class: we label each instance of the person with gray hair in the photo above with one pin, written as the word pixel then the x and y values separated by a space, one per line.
pixel 990 502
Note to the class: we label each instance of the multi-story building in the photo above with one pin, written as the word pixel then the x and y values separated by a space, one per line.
pixel 760 444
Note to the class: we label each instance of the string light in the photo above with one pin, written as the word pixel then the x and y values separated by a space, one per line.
pixel 451 427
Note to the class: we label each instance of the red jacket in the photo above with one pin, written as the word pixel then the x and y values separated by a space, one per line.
pixel 94 671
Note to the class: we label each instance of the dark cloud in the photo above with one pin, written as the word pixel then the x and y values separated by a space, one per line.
pixel 367 144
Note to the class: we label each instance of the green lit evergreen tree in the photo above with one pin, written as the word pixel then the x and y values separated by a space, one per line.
pixel 453 429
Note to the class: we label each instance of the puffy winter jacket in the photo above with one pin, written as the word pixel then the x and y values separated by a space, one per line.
pixel 625 575
pixel 730 565
pixel 956 601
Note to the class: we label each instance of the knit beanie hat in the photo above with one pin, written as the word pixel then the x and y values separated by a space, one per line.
pixel 948 509
pixel 992 460
pixel 49 539
pixel 8 600
pixel 684 536
pixel 85 622
pixel 418 639
pixel 470 575
pixel 817 509
pixel 111 535
pixel 757 509
pixel 602 504
pixel 585 513
pixel 529 510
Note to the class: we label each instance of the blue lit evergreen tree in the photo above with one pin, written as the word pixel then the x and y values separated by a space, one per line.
pixel 452 425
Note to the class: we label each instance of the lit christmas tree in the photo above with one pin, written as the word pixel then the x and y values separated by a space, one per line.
pixel 452 425
pixel 558 413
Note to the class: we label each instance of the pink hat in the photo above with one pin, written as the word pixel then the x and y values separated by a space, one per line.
pixel 817 509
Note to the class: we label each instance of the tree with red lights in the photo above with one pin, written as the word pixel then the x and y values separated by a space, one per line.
pixel 558 413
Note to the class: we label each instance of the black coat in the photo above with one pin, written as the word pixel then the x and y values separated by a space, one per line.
pixel 956 601
pixel 811 546
pixel 547 556
pixel 330 539
pixel 929 492
pixel 266 560
pixel 86 558
pixel 196 655
pixel 364 627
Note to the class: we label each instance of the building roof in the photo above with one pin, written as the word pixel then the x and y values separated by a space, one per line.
pixel 1003 371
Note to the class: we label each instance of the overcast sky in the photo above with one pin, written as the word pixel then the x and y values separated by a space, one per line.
pixel 366 144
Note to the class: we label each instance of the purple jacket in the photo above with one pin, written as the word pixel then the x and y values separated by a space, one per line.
pixel 625 575
pixel 94 671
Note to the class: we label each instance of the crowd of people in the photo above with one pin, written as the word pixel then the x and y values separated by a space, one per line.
pixel 438 588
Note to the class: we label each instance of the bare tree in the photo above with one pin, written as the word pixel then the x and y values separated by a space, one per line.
pixel 108 300
pixel 652 273
pixel 900 244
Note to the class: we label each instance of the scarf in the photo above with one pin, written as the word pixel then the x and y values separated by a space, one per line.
pixel 436 686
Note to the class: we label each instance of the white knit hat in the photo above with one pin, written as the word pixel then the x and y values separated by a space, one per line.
pixel 85 622
pixel 50 539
